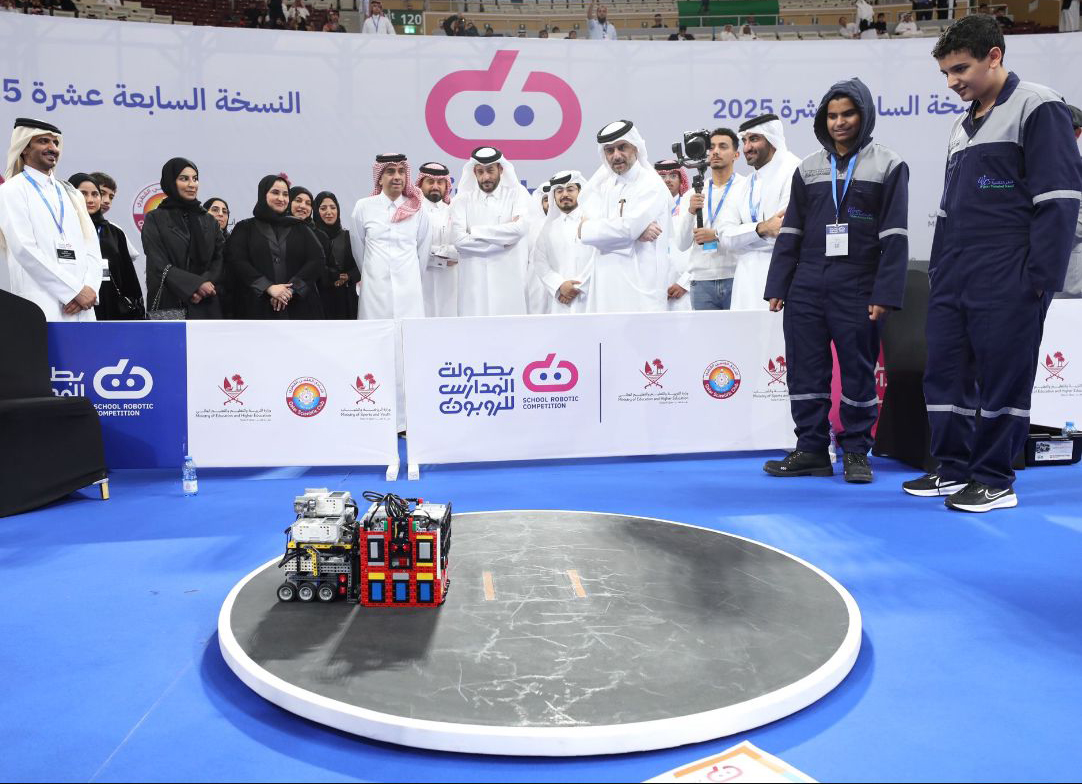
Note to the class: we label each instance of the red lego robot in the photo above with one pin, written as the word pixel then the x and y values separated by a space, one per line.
pixel 394 555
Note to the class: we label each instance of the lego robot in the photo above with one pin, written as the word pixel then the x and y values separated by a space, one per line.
pixel 394 555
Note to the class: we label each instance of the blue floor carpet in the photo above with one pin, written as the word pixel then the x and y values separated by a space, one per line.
pixel 969 668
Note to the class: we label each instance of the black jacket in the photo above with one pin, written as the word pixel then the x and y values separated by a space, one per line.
pixel 248 256
pixel 123 280
pixel 166 241
pixel 340 302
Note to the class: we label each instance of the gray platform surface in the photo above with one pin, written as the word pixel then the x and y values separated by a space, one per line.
pixel 676 620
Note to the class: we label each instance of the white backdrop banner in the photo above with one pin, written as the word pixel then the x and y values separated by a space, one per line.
pixel 524 387
pixel 245 103
pixel 1057 388
pixel 296 393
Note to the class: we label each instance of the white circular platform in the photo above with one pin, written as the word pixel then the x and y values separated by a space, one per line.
pixel 564 633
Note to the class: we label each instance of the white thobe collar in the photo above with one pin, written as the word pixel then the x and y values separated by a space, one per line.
pixel 40 177
pixel 395 203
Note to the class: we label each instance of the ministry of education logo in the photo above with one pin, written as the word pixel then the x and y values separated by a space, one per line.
pixel 1054 365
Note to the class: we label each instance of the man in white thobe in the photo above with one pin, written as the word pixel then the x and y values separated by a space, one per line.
pixel 390 242
pixel 490 227
pixel 624 221
pixel 47 240
pixel 675 282
pixel 440 277
pixel 564 265
pixel 752 220
pixel 376 23
pixel 540 207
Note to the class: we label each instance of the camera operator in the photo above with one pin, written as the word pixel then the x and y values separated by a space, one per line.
pixel 710 268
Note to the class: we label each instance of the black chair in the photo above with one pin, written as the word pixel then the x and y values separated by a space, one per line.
pixel 903 432
pixel 49 446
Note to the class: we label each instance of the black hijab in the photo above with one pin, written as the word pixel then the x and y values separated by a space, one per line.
pixel 296 191
pixel 263 210
pixel 190 209
pixel 210 201
pixel 78 179
pixel 332 230
pixel 173 200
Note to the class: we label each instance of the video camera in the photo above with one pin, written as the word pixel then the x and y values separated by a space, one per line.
pixel 693 154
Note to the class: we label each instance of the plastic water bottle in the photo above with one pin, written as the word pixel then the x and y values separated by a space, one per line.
pixel 1069 429
pixel 189 480
pixel 833 448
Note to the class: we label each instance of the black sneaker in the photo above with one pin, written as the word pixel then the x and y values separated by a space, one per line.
pixel 857 470
pixel 932 485
pixel 801 464
pixel 979 497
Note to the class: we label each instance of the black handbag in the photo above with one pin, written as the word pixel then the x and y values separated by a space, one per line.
pixel 169 314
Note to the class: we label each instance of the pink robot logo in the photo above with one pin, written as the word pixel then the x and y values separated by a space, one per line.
pixel 541 376
pixel 495 113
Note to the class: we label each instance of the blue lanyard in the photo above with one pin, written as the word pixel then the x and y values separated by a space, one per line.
pixel 49 207
pixel 676 209
pixel 710 199
pixel 754 208
pixel 834 183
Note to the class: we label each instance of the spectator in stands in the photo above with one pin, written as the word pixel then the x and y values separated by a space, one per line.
pixel 847 29
pixel 8 6
pixel 555 29
pixel 866 19
pixel 297 13
pixel 333 24
pixel 1068 16
pixel 543 33
pixel 597 23
pixel 35 7
pixel 880 25
pixel 276 14
pixel 219 210
pixel 573 34
pixel 1004 21
pixel 682 35
pixel 338 289
pixel 747 34
pixel 452 25
pixel 256 13
pixel 489 32
pixel 907 27
pixel 377 23
pixel 923 9
pixel 119 295
pixel 727 34
pixel 277 260
pixel 469 28
pixel 184 249
pixel 658 21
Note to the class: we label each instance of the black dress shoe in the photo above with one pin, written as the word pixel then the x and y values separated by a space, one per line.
pixel 799 463
pixel 857 470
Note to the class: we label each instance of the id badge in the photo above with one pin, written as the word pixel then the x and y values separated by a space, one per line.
pixel 713 245
pixel 838 239
pixel 104 270
pixel 65 252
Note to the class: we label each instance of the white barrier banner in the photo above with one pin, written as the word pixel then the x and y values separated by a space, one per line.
pixel 525 387
pixel 1057 387
pixel 245 103
pixel 291 393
